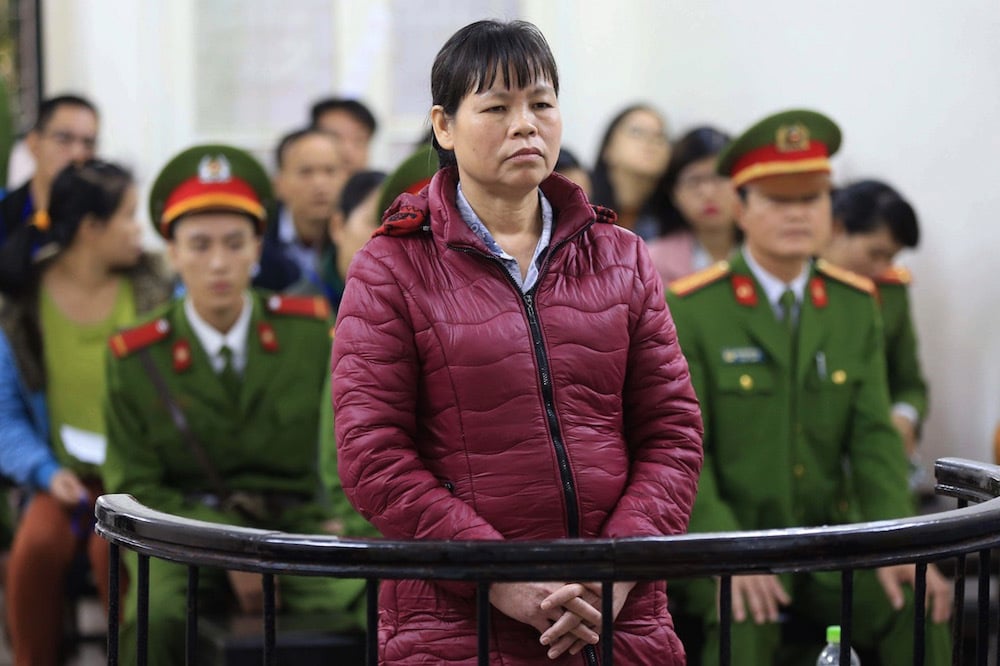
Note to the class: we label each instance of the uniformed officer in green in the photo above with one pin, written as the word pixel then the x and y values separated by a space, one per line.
pixel 872 223
pixel 786 356
pixel 213 404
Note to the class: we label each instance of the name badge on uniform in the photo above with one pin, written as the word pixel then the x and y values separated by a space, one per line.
pixel 740 355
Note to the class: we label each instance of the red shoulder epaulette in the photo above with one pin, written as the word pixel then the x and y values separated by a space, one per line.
pixel 404 222
pixel 895 275
pixel 692 283
pixel 313 307
pixel 605 215
pixel 132 340
pixel 851 279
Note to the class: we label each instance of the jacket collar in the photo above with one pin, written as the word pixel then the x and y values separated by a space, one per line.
pixel 570 209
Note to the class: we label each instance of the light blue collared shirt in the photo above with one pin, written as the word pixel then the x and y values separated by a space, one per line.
pixel 509 262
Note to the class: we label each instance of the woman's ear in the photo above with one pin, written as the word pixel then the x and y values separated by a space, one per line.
pixel 441 125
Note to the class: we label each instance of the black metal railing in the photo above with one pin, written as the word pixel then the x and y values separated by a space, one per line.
pixel 971 529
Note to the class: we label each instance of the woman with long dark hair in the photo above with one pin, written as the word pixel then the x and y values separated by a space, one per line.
pixel 699 225
pixel 70 279
pixel 630 162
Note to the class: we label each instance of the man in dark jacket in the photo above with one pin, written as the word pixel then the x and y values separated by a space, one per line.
pixel 307 185
pixel 65 131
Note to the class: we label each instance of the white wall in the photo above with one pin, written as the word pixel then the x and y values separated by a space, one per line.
pixel 915 87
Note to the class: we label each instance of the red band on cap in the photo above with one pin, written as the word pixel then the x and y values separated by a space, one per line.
pixel 194 194
pixel 768 160
pixel 417 186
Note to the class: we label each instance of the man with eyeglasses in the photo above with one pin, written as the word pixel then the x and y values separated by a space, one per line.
pixel 64 132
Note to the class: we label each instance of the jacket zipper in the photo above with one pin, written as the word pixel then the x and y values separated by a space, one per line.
pixel 548 398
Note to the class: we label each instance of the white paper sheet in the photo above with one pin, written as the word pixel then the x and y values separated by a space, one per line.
pixel 84 445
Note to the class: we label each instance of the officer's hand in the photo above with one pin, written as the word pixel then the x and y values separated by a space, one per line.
pixel 907 431
pixel 249 590
pixel 762 595
pixel 67 488
pixel 939 591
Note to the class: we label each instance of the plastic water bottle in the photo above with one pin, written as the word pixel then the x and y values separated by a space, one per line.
pixel 830 656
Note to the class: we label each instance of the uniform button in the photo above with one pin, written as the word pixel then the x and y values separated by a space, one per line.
pixel 746 382
pixel 838 377
pixel 799 470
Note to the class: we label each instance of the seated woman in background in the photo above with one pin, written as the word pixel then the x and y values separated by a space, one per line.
pixel 70 281
pixel 699 227
pixel 630 164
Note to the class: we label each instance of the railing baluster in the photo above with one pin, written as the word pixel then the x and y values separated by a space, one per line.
pixel 114 591
pixel 919 614
pixel 191 629
pixel 371 622
pixel 846 615
pixel 725 620
pixel 997 661
pixel 607 623
pixel 269 633
pixel 983 627
pixel 483 622
pixel 958 613
pixel 142 612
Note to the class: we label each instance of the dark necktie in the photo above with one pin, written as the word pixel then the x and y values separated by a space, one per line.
pixel 787 302
pixel 229 377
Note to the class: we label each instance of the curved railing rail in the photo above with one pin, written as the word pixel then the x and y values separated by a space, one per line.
pixel 971 528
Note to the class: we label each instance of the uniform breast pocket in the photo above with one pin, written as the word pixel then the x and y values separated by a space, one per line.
pixel 744 409
pixel 831 388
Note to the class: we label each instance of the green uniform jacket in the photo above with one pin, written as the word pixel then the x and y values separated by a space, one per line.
pixel 265 443
pixel 906 381
pixel 789 441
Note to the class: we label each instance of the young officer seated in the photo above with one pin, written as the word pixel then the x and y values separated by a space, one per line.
pixel 246 370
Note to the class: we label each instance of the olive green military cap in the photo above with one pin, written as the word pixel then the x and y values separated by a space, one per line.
pixel 411 176
pixel 789 142
pixel 211 177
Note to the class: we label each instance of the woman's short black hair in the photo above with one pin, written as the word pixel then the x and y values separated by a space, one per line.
pixel 471 60
pixel 94 188
pixel 868 205
pixel 695 145
pixel 601 182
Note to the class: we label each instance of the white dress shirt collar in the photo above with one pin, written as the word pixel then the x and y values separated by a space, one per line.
pixel 212 341
pixel 774 287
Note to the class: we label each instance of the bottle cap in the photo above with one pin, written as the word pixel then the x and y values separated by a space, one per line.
pixel 833 633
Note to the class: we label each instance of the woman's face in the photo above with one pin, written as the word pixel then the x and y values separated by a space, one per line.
pixel 639 145
pixel 119 240
pixel 706 200
pixel 506 140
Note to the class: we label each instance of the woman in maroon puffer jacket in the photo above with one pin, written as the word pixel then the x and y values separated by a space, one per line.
pixel 505 368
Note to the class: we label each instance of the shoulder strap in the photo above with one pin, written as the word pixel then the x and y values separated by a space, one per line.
pixel 182 425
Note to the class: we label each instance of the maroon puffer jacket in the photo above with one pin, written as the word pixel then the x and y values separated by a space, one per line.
pixel 466 410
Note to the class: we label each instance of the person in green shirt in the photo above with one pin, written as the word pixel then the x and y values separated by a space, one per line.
pixel 70 278
pixel 872 223
pixel 213 404
pixel 786 357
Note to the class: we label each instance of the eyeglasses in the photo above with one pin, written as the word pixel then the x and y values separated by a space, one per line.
pixel 650 136
pixel 67 139
pixel 695 181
